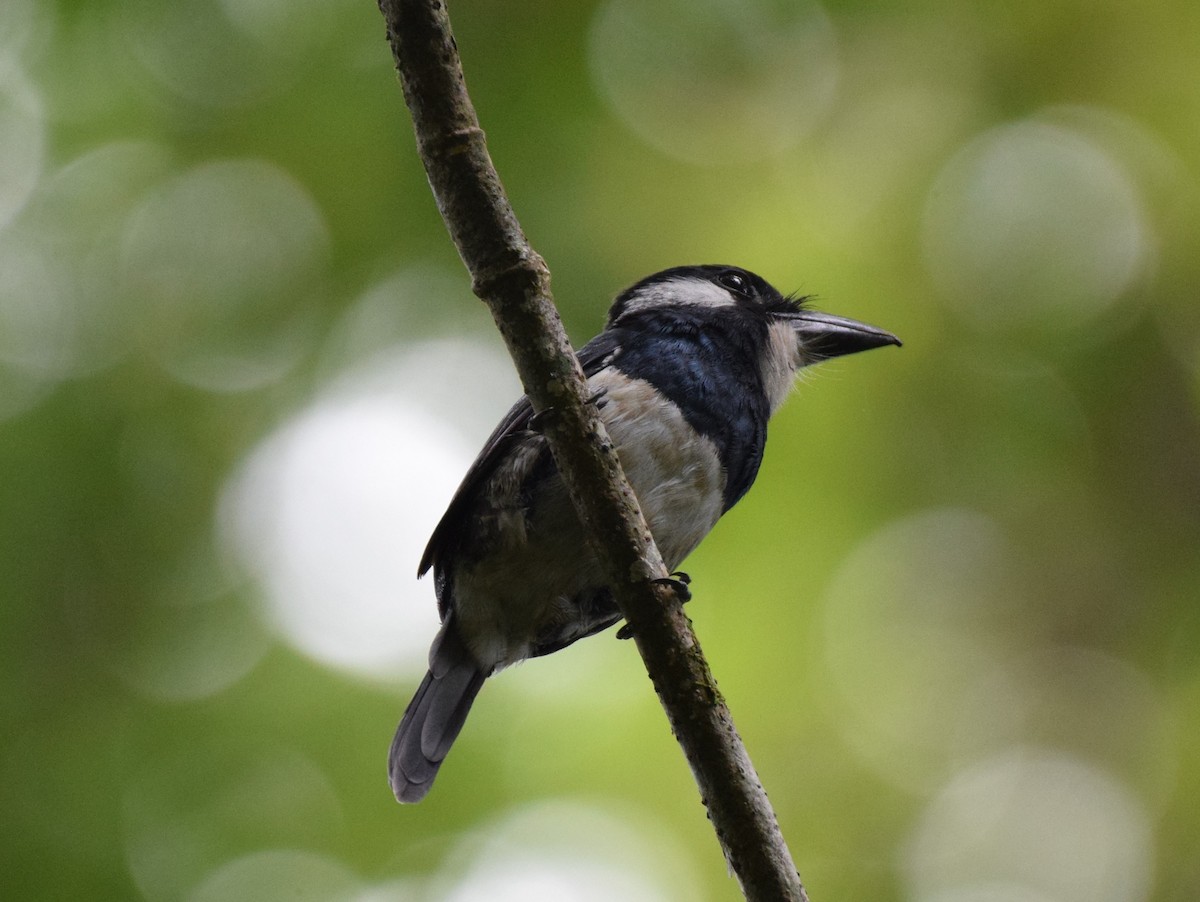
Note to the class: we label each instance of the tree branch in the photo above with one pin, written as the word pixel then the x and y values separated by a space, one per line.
pixel 514 282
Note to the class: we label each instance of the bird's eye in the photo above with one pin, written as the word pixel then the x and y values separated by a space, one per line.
pixel 735 282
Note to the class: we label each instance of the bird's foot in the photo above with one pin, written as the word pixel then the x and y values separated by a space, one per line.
pixel 537 422
pixel 678 583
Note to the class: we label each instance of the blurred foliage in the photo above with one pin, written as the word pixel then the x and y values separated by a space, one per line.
pixel 241 370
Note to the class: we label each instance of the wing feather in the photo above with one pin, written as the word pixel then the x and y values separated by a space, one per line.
pixel 594 357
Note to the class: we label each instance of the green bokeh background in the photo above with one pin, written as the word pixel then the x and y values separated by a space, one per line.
pixel 957 619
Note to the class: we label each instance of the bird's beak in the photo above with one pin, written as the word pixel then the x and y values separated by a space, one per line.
pixel 823 335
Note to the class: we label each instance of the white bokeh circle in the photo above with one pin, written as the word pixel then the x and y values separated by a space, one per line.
pixel 1034 225
pixel 330 514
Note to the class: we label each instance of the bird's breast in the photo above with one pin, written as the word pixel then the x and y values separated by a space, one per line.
pixel 675 471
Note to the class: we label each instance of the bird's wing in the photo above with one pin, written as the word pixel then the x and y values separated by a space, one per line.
pixel 593 357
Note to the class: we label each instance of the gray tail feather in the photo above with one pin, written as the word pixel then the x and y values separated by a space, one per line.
pixel 434 716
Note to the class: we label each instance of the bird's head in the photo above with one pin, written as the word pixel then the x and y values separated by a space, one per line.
pixel 780 331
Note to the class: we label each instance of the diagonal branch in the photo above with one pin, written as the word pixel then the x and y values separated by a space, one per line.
pixel 514 282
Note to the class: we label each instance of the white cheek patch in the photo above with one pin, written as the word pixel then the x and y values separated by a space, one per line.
pixel 680 292
pixel 780 363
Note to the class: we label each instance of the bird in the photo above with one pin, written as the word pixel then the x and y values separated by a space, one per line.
pixel 689 368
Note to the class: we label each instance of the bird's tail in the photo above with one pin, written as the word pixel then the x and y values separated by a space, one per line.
pixel 434 716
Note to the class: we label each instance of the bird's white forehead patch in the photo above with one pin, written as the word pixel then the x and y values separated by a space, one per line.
pixel 682 291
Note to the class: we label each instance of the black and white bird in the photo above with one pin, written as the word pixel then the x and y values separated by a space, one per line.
pixel 688 370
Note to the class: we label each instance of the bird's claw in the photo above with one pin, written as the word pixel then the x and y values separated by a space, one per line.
pixel 678 582
pixel 537 422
